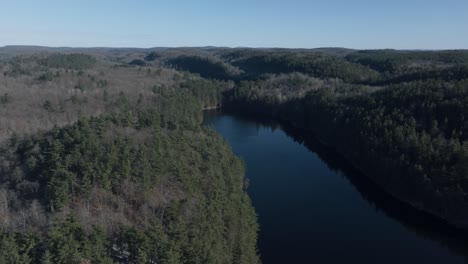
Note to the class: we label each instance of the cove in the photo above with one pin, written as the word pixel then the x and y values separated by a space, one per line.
pixel 314 207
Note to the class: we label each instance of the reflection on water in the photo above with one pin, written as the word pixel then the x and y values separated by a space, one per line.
pixel 314 207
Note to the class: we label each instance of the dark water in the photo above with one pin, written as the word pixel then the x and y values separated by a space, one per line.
pixel 313 207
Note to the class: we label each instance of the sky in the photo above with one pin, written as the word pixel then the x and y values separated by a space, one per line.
pixel 359 24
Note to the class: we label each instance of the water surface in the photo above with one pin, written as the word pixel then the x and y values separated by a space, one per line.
pixel 313 207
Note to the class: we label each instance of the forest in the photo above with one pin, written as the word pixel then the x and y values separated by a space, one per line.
pixel 104 159
pixel 405 126
pixel 109 163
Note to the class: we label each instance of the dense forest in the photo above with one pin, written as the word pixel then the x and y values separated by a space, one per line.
pixel 404 111
pixel 404 127
pixel 119 168
pixel 104 159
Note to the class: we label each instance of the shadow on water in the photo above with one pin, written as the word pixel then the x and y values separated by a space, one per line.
pixel 421 223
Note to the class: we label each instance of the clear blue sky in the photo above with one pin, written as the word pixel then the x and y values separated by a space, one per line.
pixel 363 24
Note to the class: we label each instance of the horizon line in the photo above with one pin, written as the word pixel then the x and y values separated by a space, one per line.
pixel 212 46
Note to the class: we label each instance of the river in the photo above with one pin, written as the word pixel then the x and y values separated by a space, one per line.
pixel 313 207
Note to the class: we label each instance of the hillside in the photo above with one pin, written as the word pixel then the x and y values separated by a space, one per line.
pixel 104 159
pixel 107 162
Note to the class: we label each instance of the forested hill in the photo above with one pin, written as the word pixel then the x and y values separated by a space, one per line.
pixel 405 111
pixel 404 124
pixel 103 157
pixel 102 162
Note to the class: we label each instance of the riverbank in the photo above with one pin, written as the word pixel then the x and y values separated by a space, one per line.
pixel 313 206
pixel 460 225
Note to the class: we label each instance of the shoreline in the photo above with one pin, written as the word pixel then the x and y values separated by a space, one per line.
pixel 461 226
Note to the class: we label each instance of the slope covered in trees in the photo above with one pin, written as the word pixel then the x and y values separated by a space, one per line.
pixel 103 161
pixel 404 110
pixel 206 67
pixel 69 61
pixel 118 173
pixel 148 187
pixel 409 135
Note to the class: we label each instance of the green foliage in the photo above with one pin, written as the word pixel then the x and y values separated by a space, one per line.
pixel 411 138
pixel 65 242
pixel 315 64
pixel 8 249
pixel 152 56
pixel 208 92
pixel 18 248
pixel 394 60
pixel 206 67
pixel 69 61
pixel 144 182
pixel 136 156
